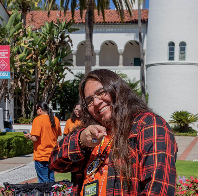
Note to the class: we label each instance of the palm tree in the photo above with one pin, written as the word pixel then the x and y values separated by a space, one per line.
pixel 89 19
pixel 142 75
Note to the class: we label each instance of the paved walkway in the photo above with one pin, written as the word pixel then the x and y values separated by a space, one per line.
pixel 21 169
pixel 17 169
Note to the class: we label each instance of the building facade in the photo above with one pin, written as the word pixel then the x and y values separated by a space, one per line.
pixel 170 44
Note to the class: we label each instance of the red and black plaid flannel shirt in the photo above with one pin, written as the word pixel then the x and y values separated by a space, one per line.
pixel 152 148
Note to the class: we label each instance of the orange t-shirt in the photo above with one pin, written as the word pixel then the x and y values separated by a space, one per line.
pixel 101 173
pixel 47 136
pixel 70 125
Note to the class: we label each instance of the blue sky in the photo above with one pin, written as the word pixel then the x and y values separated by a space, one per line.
pixel 111 3
pixel 113 7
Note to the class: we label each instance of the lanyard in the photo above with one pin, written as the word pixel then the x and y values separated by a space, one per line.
pixel 99 159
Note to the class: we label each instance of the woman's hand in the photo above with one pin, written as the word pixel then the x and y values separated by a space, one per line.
pixel 26 135
pixel 92 135
pixel 31 137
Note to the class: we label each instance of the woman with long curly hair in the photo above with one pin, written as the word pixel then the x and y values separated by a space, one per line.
pixel 123 149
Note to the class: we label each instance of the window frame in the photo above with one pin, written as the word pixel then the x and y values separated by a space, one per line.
pixel 169 47
pixel 180 59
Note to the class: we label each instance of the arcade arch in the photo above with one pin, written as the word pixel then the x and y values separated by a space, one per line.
pixel 109 55
pixel 70 56
pixel 80 55
pixel 131 54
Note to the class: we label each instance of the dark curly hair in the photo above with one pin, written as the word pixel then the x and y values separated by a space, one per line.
pixel 125 106
pixel 44 106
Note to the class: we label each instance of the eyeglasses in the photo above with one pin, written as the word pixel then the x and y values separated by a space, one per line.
pixel 100 94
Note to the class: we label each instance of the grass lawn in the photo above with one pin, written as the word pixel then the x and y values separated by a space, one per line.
pixel 184 168
pixel 62 176
pixel 187 168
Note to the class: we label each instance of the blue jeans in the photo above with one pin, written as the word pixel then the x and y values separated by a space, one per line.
pixel 44 174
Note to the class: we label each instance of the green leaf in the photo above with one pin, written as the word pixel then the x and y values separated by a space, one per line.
pixel 12 31
pixel 4 24
pixel 21 56
pixel 11 21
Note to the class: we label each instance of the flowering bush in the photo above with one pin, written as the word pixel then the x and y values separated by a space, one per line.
pixel 57 189
pixel 187 187
pixel 61 189
pixel 6 192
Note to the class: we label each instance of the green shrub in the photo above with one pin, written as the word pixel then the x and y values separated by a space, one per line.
pixel 185 134
pixel 23 120
pixel 134 85
pixel 14 144
pixel 183 119
pixel 177 131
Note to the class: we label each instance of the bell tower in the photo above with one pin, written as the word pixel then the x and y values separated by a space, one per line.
pixel 171 56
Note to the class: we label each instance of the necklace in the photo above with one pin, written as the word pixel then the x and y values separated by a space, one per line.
pixel 98 160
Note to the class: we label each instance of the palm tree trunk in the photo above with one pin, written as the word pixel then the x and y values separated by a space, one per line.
pixel 142 75
pixel 36 93
pixel 184 129
pixel 89 17
pixel 51 93
pixel 24 18
pixel 23 98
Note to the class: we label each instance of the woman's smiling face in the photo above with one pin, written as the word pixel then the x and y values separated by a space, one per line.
pixel 100 108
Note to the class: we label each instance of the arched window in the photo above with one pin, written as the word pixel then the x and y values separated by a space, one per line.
pixel 171 51
pixel 182 51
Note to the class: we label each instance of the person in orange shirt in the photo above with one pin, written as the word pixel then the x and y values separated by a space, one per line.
pixel 74 120
pixel 44 134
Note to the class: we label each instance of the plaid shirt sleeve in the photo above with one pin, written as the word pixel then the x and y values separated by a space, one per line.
pixel 67 155
pixel 157 156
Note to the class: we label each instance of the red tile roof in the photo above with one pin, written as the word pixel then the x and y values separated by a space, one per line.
pixel 36 19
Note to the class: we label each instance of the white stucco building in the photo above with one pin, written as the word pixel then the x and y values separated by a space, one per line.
pixel 169 31
pixel 171 56
pixel 3 13
pixel 116 44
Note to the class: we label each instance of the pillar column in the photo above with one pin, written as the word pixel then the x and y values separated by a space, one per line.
pixel 97 58
pixel 74 57
pixel 120 57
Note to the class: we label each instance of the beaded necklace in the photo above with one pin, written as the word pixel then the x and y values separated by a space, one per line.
pixel 99 159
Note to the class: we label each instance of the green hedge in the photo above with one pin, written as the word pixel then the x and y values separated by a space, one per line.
pixel 185 134
pixel 190 131
pixel 14 144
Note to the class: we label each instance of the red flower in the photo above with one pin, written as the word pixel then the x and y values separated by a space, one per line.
pixel 181 181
